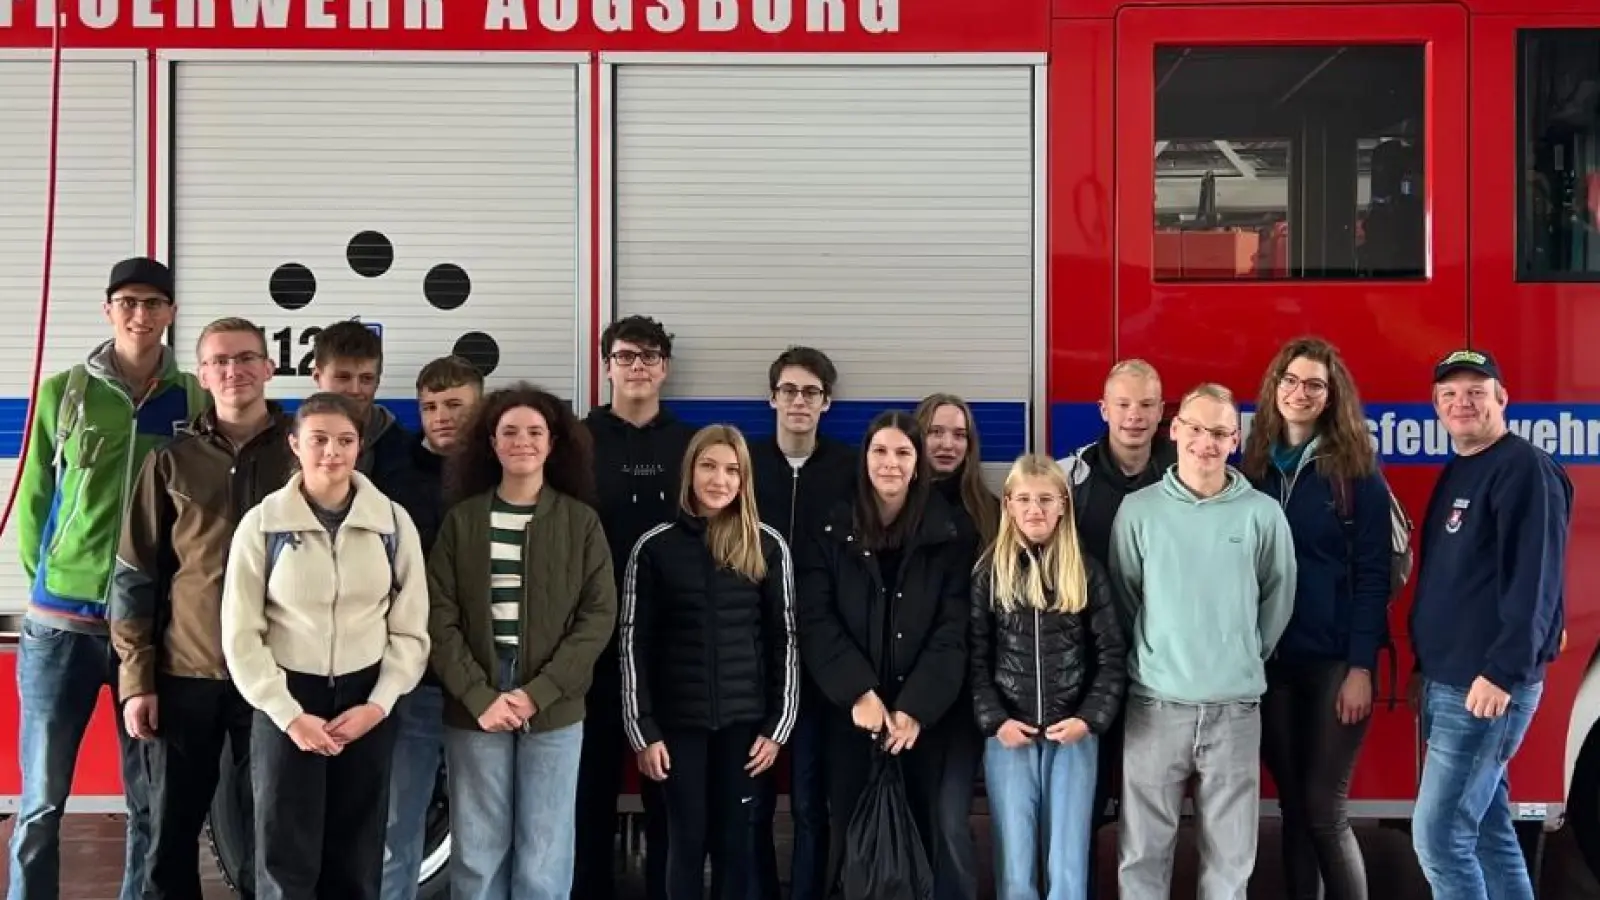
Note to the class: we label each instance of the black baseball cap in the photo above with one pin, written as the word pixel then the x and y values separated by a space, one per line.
pixel 1476 361
pixel 140 270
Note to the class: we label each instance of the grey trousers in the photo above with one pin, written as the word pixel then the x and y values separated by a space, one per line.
pixel 1166 743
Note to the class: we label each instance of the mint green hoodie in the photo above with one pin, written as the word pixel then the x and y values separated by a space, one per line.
pixel 1205 586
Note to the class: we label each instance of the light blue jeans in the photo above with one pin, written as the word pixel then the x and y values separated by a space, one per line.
pixel 59 678
pixel 1462 831
pixel 1042 791
pixel 417 753
pixel 513 808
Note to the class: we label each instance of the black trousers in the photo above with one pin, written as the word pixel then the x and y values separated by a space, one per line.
pixel 196 716
pixel 605 754
pixel 708 794
pixel 957 748
pixel 1311 755
pixel 1107 788
pixel 320 820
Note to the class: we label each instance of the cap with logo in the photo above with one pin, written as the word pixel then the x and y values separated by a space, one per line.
pixel 1475 361
pixel 140 270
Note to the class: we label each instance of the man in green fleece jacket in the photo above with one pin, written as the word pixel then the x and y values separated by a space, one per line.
pixel 93 425
pixel 1204 570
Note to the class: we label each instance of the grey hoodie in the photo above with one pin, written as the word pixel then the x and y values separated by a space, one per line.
pixel 1206 588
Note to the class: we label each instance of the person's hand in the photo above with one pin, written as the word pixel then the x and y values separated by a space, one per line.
pixel 353 724
pixel 522 705
pixel 499 716
pixel 1354 702
pixel 1067 731
pixel 310 733
pixel 868 713
pixel 763 753
pixel 1486 700
pixel 1014 734
pixel 654 763
pixel 140 716
pixel 903 732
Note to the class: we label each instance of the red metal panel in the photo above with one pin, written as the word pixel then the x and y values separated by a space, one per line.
pixel 1391 331
pixel 502 25
pixel 1106 8
pixel 99 773
pixel 1543 337
pixel 1082 153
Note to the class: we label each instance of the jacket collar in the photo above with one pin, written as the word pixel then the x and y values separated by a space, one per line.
pixel 278 423
pixel 287 509
pixel 550 500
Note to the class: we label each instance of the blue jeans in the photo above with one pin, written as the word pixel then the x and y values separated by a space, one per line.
pixel 59 677
pixel 417 755
pixel 1042 791
pixel 1462 831
pixel 513 809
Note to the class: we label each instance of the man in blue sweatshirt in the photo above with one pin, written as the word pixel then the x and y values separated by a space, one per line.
pixel 1204 570
pixel 1486 621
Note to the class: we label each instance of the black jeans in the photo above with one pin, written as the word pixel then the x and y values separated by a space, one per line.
pixel 605 753
pixel 708 795
pixel 808 808
pixel 1311 755
pixel 196 717
pixel 957 745
pixel 1107 788
pixel 320 820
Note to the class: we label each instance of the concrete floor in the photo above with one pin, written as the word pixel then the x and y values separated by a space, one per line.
pixel 92 864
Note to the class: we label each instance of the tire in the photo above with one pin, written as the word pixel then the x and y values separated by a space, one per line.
pixel 230 830
pixel 1583 805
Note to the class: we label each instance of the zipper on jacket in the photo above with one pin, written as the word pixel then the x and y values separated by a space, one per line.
pixel 133 447
pixel 1038 673
pixel 794 495
pixel 333 607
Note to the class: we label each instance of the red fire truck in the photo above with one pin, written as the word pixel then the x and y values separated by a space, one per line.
pixel 998 199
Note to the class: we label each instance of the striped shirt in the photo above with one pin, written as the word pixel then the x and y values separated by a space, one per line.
pixel 507 525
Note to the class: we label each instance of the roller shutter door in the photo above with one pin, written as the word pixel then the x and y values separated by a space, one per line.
pixel 436 200
pixel 96 225
pixel 883 214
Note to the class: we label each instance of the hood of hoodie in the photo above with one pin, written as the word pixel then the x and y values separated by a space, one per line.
pixel 1236 487
pixel 102 364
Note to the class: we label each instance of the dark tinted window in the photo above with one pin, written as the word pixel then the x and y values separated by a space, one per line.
pixel 1559 125
pixel 1289 162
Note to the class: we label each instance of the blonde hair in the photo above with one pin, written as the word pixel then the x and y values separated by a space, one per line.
pixel 1135 368
pixel 1059 570
pixel 1211 391
pixel 230 325
pixel 734 533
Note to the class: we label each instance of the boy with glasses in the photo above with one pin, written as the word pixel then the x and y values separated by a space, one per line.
pixel 166 600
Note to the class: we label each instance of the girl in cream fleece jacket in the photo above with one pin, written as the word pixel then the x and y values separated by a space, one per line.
pixel 322 641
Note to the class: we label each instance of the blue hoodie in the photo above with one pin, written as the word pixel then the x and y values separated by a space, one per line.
pixel 1341 598
pixel 1205 585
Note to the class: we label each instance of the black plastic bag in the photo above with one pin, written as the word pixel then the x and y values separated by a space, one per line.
pixel 883 856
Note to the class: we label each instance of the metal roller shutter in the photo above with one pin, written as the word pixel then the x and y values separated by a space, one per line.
pixel 96 225
pixel 883 214
pixel 437 200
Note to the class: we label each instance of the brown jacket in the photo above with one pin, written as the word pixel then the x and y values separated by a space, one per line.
pixel 569 609
pixel 166 592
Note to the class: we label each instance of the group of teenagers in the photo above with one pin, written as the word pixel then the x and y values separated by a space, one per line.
pixel 536 601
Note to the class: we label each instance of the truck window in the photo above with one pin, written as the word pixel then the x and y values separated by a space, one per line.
pixel 1559 148
pixel 1289 162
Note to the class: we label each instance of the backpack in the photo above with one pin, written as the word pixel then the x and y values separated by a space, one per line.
pixel 277 540
pixel 69 412
pixel 1401 558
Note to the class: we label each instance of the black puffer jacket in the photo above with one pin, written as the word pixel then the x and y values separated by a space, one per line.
pixel 844 611
pixel 1034 666
pixel 704 647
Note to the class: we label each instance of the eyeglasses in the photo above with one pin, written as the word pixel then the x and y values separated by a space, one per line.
pixel 788 392
pixel 1045 502
pixel 149 304
pixel 627 358
pixel 1314 387
pixel 248 358
pixel 1194 430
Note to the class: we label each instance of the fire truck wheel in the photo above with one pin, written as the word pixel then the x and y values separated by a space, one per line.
pixel 1583 804
pixel 231 834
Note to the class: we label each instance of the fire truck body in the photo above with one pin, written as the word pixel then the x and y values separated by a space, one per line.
pixel 997 199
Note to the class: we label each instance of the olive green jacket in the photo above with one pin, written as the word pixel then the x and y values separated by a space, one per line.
pixel 569 609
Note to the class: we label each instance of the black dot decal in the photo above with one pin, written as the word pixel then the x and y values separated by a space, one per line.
pixel 446 286
pixel 292 286
pixel 370 254
pixel 479 349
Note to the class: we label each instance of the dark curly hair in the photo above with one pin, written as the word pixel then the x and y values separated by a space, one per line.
pixel 475 469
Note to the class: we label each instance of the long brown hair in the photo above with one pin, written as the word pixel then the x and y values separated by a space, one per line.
pixel 982 506
pixel 734 533
pixel 475 469
pixel 1344 447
